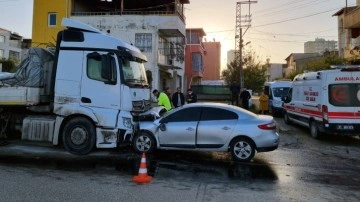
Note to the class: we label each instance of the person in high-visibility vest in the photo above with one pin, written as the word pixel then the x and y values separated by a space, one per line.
pixel 163 99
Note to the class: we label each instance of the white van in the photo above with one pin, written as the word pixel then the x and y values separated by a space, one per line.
pixel 275 90
pixel 326 101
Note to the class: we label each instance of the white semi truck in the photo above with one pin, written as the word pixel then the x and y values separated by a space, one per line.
pixel 84 94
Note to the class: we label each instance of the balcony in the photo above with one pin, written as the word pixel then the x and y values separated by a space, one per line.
pixel 129 7
pixel 15 43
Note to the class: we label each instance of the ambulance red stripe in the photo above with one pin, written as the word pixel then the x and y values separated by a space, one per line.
pixel 334 115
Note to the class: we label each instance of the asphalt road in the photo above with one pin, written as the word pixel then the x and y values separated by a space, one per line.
pixel 301 169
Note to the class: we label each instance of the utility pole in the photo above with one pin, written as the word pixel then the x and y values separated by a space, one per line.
pixel 242 21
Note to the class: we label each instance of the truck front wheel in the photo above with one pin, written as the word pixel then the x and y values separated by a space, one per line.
pixel 79 136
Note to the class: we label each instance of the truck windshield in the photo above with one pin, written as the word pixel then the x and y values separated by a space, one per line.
pixel 279 92
pixel 134 73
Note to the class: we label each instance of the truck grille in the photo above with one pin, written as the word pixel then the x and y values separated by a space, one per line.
pixel 141 106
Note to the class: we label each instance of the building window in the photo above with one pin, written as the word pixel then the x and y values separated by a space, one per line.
pixel 52 19
pixel 14 55
pixel 1 53
pixel 196 62
pixel 2 39
pixel 144 42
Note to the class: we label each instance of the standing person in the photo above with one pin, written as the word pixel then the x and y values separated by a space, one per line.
pixel 178 98
pixel 245 96
pixel 191 97
pixel 263 103
pixel 235 90
pixel 163 99
pixel 167 91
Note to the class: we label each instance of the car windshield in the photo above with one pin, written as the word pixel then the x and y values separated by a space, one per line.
pixel 281 91
pixel 134 72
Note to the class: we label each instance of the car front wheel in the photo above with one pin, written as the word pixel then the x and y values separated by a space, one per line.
pixel 242 149
pixel 143 143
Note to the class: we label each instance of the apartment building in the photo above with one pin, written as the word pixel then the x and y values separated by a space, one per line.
pixel 320 46
pixel 230 56
pixel 10 45
pixel 194 56
pixel 275 71
pixel 157 28
pixel 349 32
pixel 212 61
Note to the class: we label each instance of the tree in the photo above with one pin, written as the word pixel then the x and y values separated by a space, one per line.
pixel 8 65
pixel 254 73
pixel 324 62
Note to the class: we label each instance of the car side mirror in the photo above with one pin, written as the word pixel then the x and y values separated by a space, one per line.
pixel 162 127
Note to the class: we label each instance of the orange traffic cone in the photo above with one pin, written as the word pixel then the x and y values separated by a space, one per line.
pixel 142 177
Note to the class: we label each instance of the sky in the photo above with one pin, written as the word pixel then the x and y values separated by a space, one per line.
pixel 278 27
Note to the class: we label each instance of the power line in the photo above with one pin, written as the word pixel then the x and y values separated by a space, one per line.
pixel 275 40
pixel 292 19
pixel 290 34
pixel 291 8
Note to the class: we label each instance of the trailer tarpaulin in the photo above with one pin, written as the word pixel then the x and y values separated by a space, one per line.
pixel 31 71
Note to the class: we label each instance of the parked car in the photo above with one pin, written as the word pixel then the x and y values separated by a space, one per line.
pixel 207 127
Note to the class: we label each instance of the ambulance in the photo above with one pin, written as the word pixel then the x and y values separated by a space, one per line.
pixel 327 101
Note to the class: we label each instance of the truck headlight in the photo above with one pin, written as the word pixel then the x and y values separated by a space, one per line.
pixel 127 122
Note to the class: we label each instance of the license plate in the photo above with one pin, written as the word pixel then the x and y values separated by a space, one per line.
pixel 345 127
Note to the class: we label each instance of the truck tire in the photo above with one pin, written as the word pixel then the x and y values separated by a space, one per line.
pixel 242 149
pixel 286 118
pixel 314 130
pixel 143 143
pixel 79 136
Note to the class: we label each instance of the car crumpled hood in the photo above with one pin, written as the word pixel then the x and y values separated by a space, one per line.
pixel 155 111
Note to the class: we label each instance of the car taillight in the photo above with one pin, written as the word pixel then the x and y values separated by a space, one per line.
pixel 325 114
pixel 268 126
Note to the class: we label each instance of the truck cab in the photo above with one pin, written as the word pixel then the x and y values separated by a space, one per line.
pixel 89 96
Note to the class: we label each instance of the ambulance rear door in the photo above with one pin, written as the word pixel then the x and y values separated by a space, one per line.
pixel 343 89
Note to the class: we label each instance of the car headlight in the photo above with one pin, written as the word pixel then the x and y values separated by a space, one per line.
pixel 277 103
pixel 127 122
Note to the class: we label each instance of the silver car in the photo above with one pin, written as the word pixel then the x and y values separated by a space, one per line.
pixel 208 127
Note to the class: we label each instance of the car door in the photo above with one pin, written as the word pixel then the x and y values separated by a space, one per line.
pixel 215 127
pixel 100 95
pixel 179 128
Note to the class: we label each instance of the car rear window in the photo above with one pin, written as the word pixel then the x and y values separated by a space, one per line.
pixel 344 95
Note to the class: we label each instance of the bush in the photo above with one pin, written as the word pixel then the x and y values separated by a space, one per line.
pixel 8 65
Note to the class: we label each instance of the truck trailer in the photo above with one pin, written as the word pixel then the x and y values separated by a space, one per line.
pixel 85 93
